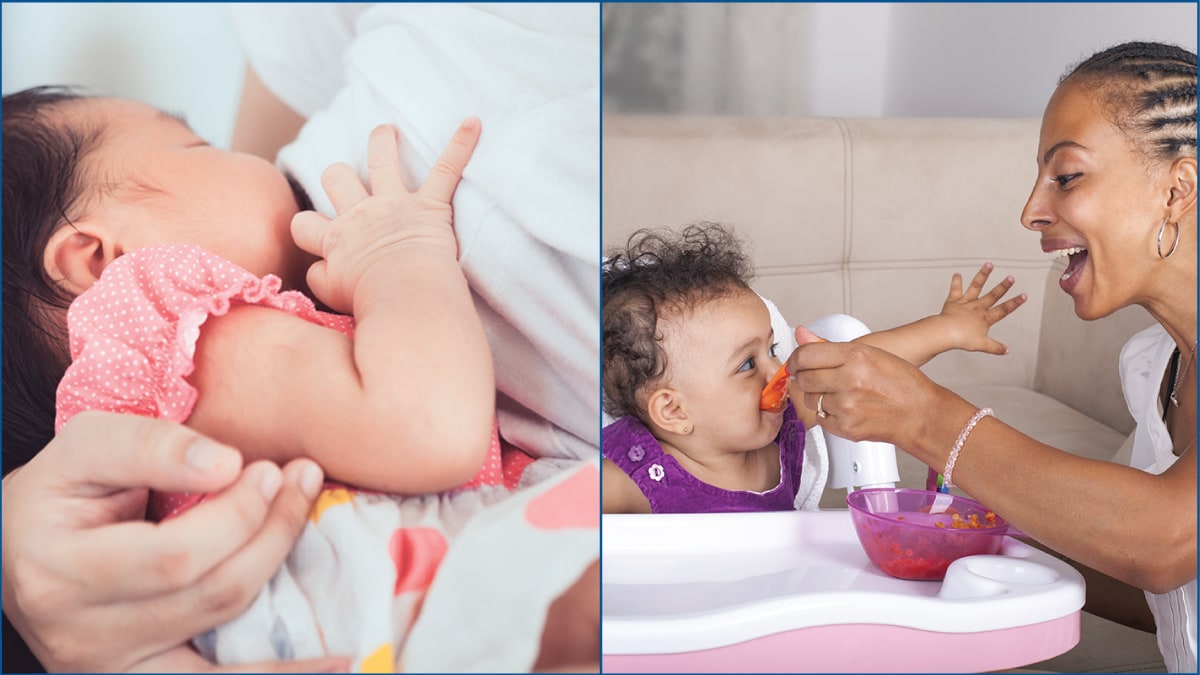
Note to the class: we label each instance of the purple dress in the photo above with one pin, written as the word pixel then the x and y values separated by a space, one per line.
pixel 670 489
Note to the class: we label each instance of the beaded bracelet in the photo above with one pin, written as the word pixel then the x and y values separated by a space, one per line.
pixel 958 443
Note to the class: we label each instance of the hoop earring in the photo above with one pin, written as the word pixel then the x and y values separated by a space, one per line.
pixel 1161 229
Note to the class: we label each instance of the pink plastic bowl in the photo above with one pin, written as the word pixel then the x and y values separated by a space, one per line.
pixel 905 540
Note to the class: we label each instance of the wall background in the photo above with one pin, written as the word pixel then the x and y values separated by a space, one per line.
pixel 181 57
pixel 843 59
pixel 863 59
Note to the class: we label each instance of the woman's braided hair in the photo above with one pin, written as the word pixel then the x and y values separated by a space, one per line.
pixel 1149 93
pixel 656 273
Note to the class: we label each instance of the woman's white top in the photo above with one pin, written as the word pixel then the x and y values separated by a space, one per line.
pixel 526 213
pixel 1144 361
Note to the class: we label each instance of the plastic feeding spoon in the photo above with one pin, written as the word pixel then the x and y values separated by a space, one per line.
pixel 774 396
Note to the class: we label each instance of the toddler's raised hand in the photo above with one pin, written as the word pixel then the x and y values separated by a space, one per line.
pixel 970 315
pixel 373 222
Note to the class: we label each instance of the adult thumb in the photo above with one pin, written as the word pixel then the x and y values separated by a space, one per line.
pixel 805 336
pixel 100 453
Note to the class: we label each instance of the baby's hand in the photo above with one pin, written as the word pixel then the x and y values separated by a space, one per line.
pixel 970 315
pixel 371 224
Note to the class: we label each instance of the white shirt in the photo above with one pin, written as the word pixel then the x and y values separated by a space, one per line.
pixel 527 210
pixel 1144 360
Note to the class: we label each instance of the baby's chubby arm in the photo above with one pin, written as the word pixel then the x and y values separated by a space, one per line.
pixel 963 323
pixel 408 405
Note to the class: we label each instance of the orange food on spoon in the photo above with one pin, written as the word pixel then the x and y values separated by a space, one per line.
pixel 774 395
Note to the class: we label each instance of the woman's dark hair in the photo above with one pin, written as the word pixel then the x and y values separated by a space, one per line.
pixel 659 272
pixel 1149 93
pixel 42 158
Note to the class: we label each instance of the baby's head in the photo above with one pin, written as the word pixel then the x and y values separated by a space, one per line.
pixel 87 179
pixel 687 345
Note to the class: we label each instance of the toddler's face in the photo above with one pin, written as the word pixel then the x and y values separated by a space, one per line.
pixel 720 356
pixel 161 183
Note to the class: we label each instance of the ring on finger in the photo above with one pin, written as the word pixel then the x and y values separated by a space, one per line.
pixel 820 410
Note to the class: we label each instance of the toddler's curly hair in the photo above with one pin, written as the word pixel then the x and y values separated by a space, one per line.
pixel 656 273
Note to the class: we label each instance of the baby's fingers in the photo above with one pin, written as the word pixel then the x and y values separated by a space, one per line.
pixel 991 346
pixel 955 288
pixel 308 231
pixel 1005 308
pixel 998 292
pixel 383 160
pixel 445 174
pixel 343 186
pixel 978 281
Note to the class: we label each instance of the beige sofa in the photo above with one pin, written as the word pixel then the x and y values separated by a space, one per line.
pixel 871 217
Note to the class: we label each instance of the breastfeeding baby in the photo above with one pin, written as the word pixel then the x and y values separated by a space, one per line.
pixel 688 354
pixel 190 274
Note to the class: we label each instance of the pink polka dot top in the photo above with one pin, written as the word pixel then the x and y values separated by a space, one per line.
pixel 133 334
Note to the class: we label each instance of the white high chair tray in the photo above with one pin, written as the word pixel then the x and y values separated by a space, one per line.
pixel 794 591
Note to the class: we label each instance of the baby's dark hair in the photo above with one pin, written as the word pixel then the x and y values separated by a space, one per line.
pixel 1149 93
pixel 659 272
pixel 43 181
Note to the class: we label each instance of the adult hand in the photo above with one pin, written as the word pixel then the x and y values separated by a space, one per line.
pixel 91 586
pixel 868 393
pixel 373 222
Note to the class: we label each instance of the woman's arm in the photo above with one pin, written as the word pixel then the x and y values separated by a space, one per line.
pixel 408 405
pixel 1107 597
pixel 1137 527
pixel 264 123
pixel 91 587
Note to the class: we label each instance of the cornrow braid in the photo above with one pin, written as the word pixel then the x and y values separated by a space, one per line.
pixel 656 273
pixel 1150 94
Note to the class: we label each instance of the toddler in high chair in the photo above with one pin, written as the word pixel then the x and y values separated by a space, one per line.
pixel 186 269
pixel 688 349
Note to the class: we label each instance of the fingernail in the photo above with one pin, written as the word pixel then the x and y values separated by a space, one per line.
pixel 470 123
pixel 269 483
pixel 310 480
pixel 204 454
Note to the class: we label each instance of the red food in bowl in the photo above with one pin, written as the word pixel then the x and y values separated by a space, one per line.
pixel 902 538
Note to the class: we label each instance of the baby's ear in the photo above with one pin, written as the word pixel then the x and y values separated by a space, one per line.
pixel 76 255
pixel 665 412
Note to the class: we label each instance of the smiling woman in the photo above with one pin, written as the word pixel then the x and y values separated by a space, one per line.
pixel 1116 190
pixel 1091 200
